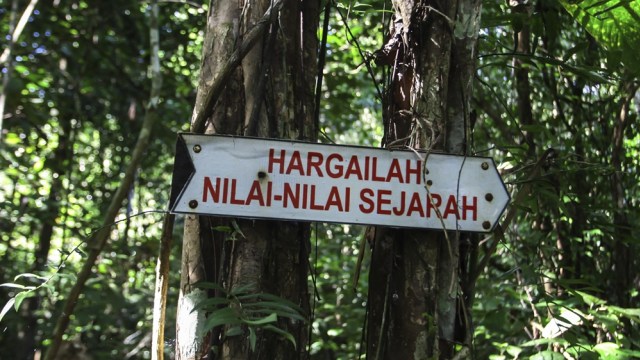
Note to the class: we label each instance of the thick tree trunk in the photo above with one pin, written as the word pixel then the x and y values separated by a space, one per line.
pixel 414 274
pixel 270 94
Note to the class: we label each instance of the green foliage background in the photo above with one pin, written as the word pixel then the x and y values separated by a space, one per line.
pixel 75 101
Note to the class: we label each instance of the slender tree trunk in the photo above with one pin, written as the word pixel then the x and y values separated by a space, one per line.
pixel 414 274
pixel 521 9
pixel 269 94
pixel 622 251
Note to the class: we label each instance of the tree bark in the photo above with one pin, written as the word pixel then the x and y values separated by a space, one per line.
pixel 414 273
pixel 268 92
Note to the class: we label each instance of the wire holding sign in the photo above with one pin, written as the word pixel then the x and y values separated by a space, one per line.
pixel 274 179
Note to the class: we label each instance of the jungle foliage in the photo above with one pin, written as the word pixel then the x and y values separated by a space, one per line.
pixel 559 114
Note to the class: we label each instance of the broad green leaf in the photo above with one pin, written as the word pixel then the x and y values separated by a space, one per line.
pixel 233 331
pixel 12 139
pixel 278 308
pixel 633 314
pixel 211 303
pixel 21 296
pixel 252 338
pixel 609 351
pixel 590 299
pixel 274 298
pixel 222 228
pixel 226 316
pixel 282 333
pixel 265 320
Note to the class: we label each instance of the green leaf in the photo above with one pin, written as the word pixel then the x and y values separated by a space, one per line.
pixel 226 316
pixel 237 229
pixel 7 307
pixel 271 297
pixel 633 314
pixel 233 331
pixel 211 303
pixel 252 339
pixel 285 334
pixel 12 285
pixel 610 351
pixel 274 307
pixel 222 228
pixel 12 139
pixel 30 275
pixel 613 23
pixel 271 318
pixel 21 296
pixel 590 299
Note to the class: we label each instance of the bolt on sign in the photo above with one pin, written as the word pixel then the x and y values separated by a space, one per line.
pixel 281 179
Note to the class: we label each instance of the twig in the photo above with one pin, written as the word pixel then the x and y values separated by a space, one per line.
pixel 6 54
pixel 366 61
pixel 498 232
pixel 321 62
pixel 18 30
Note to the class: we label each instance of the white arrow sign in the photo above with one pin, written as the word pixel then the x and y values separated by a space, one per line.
pixel 275 179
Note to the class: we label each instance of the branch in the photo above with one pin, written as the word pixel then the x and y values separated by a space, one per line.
pixel 202 114
pixel 18 30
pixel 6 54
pixel 498 232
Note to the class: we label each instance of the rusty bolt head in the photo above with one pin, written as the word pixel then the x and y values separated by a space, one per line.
pixel 488 197
pixel 486 225
pixel 485 165
pixel 197 148
pixel 193 204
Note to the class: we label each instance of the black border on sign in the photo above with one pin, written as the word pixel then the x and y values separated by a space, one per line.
pixel 183 171
pixel 181 178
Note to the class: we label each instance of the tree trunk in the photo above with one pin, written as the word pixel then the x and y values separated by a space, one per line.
pixel 269 94
pixel 622 250
pixel 414 273
pixel 521 10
